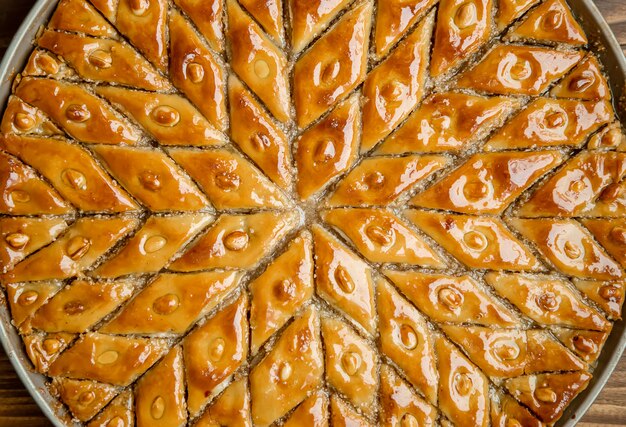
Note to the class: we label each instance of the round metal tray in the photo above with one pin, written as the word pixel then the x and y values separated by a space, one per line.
pixel 605 46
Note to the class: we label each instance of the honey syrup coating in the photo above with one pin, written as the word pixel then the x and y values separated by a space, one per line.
pixel 382 237
pixel 462 27
pixel 463 388
pixel 393 89
pixel 119 413
pixel 232 407
pixel 586 81
pixel 328 148
pixel 609 295
pixel 478 242
pixel 42 63
pixel 611 234
pixel 171 303
pixel 574 188
pixel 197 72
pixel 24 193
pixel 333 66
pixel 72 171
pixel 585 344
pixel 258 136
pixel 551 21
pixel 452 299
pixel 80 17
pixel 236 241
pixel 289 372
pixel 393 19
pixel 76 250
pixel 547 395
pixel 549 122
pixel 269 13
pixel 522 70
pixel 509 10
pixel 379 181
pixel 103 60
pixel 158 240
pixel 153 178
pixel 342 415
pixel 160 393
pixel 449 121
pixel 570 247
pixel 311 17
pixel 400 405
pixel 22 118
pixel 350 364
pixel 280 291
pixel 547 301
pixel 207 16
pixel 110 359
pixel 507 412
pixel 81 305
pixel 229 180
pixel 214 351
pixel 312 412
pixel 258 62
pixel 43 349
pixel 26 298
pixel 610 136
pixel 144 23
pixel 81 114
pixel 488 183
pixel 406 339
pixel 170 119
pixel 20 237
pixel 343 279
pixel 85 398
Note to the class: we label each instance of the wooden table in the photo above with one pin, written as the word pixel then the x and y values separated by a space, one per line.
pixel 18 409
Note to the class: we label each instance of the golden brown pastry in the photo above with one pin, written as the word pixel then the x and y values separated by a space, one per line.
pixel 160 393
pixel 382 237
pixel 312 412
pixel 379 181
pixel 280 291
pixel 196 71
pixel 350 364
pixel 516 69
pixel 78 112
pixel 152 177
pixel 551 21
pixel 342 279
pixel 407 340
pixel 84 398
pixel 451 299
pixel 462 28
pixel 333 66
pixel 291 370
pixel 547 301
pixel 258 136
pixel 229 180
pixel 393 19
pixel 102 60
pixel 154 245
pixel 448 122
pixel 478 242
pixel 172 303
pixel 236 241
pixel 328 149
pixel 570 248
pixel 310 17
pixel 312 212
pixel 394 88
pixel 258 62
pixel 213 351
pixel 547 122
pixel 232 407
pixel 488 182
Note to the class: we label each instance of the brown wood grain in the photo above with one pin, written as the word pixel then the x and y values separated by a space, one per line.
pixel 18 409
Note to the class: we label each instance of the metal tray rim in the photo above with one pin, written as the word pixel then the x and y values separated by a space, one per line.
pixel 613 60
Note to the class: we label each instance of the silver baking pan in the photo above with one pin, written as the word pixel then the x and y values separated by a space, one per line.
pixel 604 44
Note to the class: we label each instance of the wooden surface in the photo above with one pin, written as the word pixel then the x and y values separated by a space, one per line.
pixel 18 409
